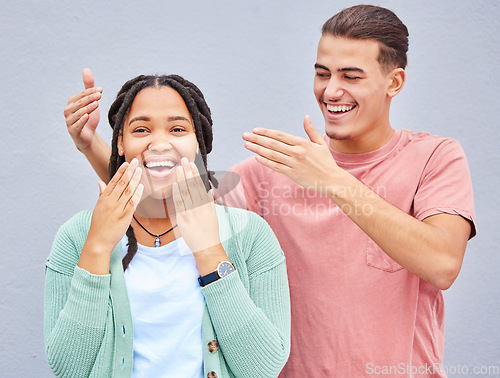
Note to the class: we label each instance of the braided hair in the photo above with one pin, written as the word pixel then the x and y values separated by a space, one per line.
pixel 198 109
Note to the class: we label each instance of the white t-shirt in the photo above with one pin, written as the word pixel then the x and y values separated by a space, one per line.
pixel 167 306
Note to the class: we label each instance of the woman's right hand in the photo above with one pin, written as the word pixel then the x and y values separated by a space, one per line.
pixel 82 113
pixel 111 217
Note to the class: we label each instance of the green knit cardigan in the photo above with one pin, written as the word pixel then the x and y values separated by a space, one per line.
pixel 88 324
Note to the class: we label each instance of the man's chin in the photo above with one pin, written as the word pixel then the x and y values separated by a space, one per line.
pixel 335 135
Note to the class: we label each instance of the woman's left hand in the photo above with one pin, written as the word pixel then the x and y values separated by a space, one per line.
pixel 195 209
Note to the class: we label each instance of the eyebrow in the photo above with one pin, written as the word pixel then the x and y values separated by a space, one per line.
pixel 345 69
pixel 169 119
pixel 349 69
pixel 321 67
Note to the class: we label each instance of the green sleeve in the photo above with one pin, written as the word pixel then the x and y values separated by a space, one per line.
pixel 75 309
pixel 253 323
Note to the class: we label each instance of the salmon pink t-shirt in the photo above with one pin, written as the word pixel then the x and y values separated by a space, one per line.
pixel 355 311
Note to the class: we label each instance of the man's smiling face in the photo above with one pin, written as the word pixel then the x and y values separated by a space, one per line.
pixel 353 93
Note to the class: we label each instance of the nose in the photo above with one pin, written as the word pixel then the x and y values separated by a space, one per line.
pixel 333 90
pixel 160 147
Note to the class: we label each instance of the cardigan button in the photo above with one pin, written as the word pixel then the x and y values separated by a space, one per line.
pixel 211 374
pixel 213 346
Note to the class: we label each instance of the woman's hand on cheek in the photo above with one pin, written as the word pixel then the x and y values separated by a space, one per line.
pixel 195 209
pixel 111 217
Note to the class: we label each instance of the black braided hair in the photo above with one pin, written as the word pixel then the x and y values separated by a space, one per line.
pixel 132 247
pixel 198 109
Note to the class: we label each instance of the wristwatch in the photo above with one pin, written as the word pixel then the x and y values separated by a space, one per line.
pixel 223 269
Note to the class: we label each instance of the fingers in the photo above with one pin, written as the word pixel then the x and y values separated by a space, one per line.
pixel 195 184
pixel 282 148
pixel 199 187
pixel 178 201
pixel 184 174
pixel 118 176
pixel 132 193
pixel 136 197
pixel 120 198
pixel 125 187
pixel 279 136
pixel 253 140
pixel 211 194
pixel 76 121
pixel 80 106
pixel 275 166
pixel 273 145
pixel 269 148
pixel 86 92
pixel 88 78
pixel 102 187
pixel 121 179
pixel 189 191
pixel 311 131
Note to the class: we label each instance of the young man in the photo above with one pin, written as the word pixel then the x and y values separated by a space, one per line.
pixel 387 228
pixel 374 221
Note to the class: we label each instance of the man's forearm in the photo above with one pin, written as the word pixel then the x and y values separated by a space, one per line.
pixel 432 249
pixel 98 155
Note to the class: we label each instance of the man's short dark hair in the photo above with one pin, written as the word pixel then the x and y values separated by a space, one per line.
pixel 372 22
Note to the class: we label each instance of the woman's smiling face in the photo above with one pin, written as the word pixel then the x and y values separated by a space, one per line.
pixel 159 131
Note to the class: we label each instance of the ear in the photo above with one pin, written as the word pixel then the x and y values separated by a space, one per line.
pixel 397 79
pixel 120 144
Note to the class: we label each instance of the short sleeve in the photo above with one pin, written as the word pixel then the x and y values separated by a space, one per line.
pixel 445 185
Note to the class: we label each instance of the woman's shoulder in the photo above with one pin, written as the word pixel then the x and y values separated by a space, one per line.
pixel 69 242
pixel 243 224
pixel 231 211
pixel 255 240
pixel 78 223
pixel 240 219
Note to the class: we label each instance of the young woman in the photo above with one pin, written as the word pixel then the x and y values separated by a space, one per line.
pixel 157 280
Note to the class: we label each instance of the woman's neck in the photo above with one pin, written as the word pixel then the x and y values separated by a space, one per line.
pixel 157 217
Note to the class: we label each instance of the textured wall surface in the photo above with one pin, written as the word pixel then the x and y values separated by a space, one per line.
pixel 254 62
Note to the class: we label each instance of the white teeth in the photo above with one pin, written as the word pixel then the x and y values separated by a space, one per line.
pixel 155 164
pixel 339 108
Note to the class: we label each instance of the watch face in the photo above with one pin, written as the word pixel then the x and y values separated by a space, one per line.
pixel 225 268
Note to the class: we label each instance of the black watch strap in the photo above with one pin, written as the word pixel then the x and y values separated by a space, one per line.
pixel 208 278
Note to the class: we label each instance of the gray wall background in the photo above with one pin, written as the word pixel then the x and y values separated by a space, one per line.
pixel 254 62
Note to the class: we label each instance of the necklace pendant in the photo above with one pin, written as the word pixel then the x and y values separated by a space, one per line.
pixel 157 241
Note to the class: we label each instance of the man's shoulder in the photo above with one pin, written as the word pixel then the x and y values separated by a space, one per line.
pixel 422 145
pixel 424 138
pixel 249 165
